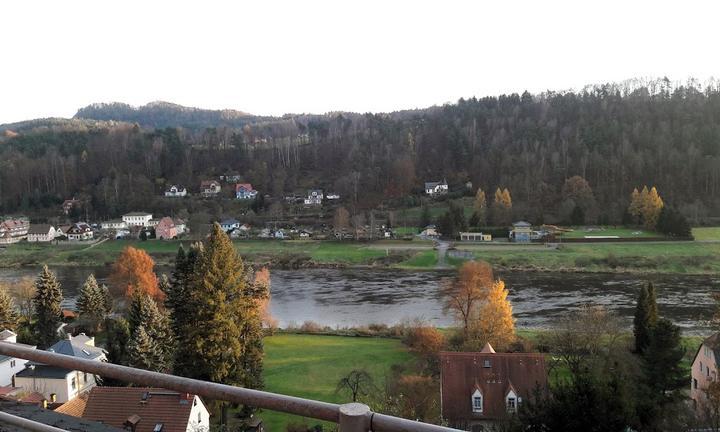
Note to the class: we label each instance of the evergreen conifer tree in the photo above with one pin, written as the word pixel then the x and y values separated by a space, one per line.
pixel 145 313
pixel 646 315
pixel 144 353
pixel 90 302
pixel 48 297
pixel 8 314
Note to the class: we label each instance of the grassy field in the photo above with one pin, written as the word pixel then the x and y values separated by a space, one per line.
pixel 310 366
pixel 422 260
pixel 661 257
pixel 706 233
pixel 611 231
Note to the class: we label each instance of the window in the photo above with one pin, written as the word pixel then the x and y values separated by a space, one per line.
pixel 199 417
pixel 695 383
pixel 477 402
pixel 511 401
pixel 707 368
pixel 701 368
pixel 85 377
pixel 12 363
pixel 73 385
pixel 511 404
pixel 486 363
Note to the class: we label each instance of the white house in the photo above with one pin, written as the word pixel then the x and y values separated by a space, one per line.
pixel 9 366
pixel 179 225
pixel 60 384
pixel 80 231
pixel 436 188
pixel 141 219
pixel 429 231
pixel 245 191
pixel 314 197
pixel 176 191
pixel 229 224
pixel 332 196
pixel 115 224
pixel 143 409
pixel 41 233
pixel 209 188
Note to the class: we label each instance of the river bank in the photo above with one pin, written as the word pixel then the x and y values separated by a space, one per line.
pixel 692 258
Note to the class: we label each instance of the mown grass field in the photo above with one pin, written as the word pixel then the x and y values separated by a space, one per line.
pixel 611 231
pixel 660 257
pixel 310 366
pixel 706 233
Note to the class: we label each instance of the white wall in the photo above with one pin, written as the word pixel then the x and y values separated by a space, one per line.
pixel 7 370
pixel 61 387
pixel 198 408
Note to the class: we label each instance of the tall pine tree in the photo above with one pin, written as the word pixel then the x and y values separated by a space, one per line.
pixel 225 343
pixel 91 302
pixel 48 314
pixel 144 353
pixel 8 314
pixel 646 316
pixel 144 313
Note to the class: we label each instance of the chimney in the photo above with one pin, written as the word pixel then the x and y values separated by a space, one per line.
pixel 53 397
pixel 44 403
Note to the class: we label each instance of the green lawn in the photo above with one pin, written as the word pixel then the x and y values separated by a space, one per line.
pixel 437 209
pixel 611 231
pixel 421 260
pixel 310 366
pixel 662 257
pixel 706 233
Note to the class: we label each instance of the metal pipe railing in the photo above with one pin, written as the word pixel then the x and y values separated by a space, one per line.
pixel 31 425
pixel 349 416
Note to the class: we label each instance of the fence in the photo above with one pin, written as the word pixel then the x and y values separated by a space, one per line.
pixel 352 417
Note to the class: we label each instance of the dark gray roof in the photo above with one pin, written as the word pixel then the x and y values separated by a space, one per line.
pixel 230 221
pixel 137 214
pixel 4 358
pixel 43 371
pixel 521 224
pixel 35 413
pixel 39 229
pixel 76 347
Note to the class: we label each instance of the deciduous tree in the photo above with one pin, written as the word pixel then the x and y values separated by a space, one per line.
pixel 495 323
pixel 358 383
pixel 464 295
pixel 134 271
pixel 480 207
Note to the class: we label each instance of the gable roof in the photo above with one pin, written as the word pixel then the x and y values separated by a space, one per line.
pixel 74 407
pixel 462 373
pixel 39 229
pixel 522 224
pixel 246 186
pixel 51 418
pixel 712 342
pixel 138 214
pixel 206 183
pixel 114 405
pixel 78 346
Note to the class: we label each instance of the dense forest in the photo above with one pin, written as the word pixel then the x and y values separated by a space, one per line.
pixel 616 136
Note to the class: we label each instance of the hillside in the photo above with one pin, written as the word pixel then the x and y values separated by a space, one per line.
pixel 617 136
pixel 165 114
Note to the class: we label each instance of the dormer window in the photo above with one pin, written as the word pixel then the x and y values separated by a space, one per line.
pixel 477 401
pixel 486 363
pixel 511 401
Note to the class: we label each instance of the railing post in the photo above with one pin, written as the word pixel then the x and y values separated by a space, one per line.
pixel 354 417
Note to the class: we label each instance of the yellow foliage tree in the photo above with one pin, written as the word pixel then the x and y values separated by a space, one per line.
pixel 481 206
pixel 495 323
pixel 502 207
pixel 646 206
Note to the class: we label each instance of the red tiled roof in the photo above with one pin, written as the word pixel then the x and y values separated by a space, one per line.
pixel 247 186
pixel 74 407
pixel 113 406
pixel 31 397
pixel 462 373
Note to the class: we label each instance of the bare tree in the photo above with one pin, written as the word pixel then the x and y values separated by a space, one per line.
pixel 358 383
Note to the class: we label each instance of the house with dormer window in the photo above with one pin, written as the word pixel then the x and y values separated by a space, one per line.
pixel 704 371
pixel 245 191
pixel 480 388
pixel 58 384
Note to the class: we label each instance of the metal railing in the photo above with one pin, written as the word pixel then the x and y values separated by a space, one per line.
pixel 352 417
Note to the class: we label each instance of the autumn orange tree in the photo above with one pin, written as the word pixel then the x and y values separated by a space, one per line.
pixel 646 206
pixel 496 324
pixel 502 207
pixel 134 271
pixel 464 295
pixel 262 283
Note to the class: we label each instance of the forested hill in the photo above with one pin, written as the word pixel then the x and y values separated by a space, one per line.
pixel 617 137
pixel 165 114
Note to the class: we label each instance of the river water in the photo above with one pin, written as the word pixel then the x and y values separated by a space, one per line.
pixel 352 297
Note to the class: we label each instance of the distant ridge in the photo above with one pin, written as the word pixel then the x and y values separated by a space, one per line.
pixel 161 114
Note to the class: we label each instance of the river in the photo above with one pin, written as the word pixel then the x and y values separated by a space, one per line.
pixel 352 297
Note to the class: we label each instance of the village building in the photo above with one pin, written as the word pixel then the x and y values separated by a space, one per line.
pixel 314 197
pixel 229 224
pixel 69 205
pixel 245 191
pixel 305 234
pixel 180 226
pixel 176 191
pixel 521 232
pixel 231 177
pixel 9 366
pixel 80 231
pixel 475 236
pixel 436 188
pixel 429 231
pixel 480 388
pixel 209 188
pixel 142 409
pixel 152 223
pixel 165 229
pixel 141 219
pixel 58 384
pixel 41 233
pixel 704 370
pixel 17 229
pixel 332 196
pixel 114 224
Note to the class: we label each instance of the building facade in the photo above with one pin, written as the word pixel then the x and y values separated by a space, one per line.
pixel 140 219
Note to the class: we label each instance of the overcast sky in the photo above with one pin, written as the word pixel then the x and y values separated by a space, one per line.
pixel 275 57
